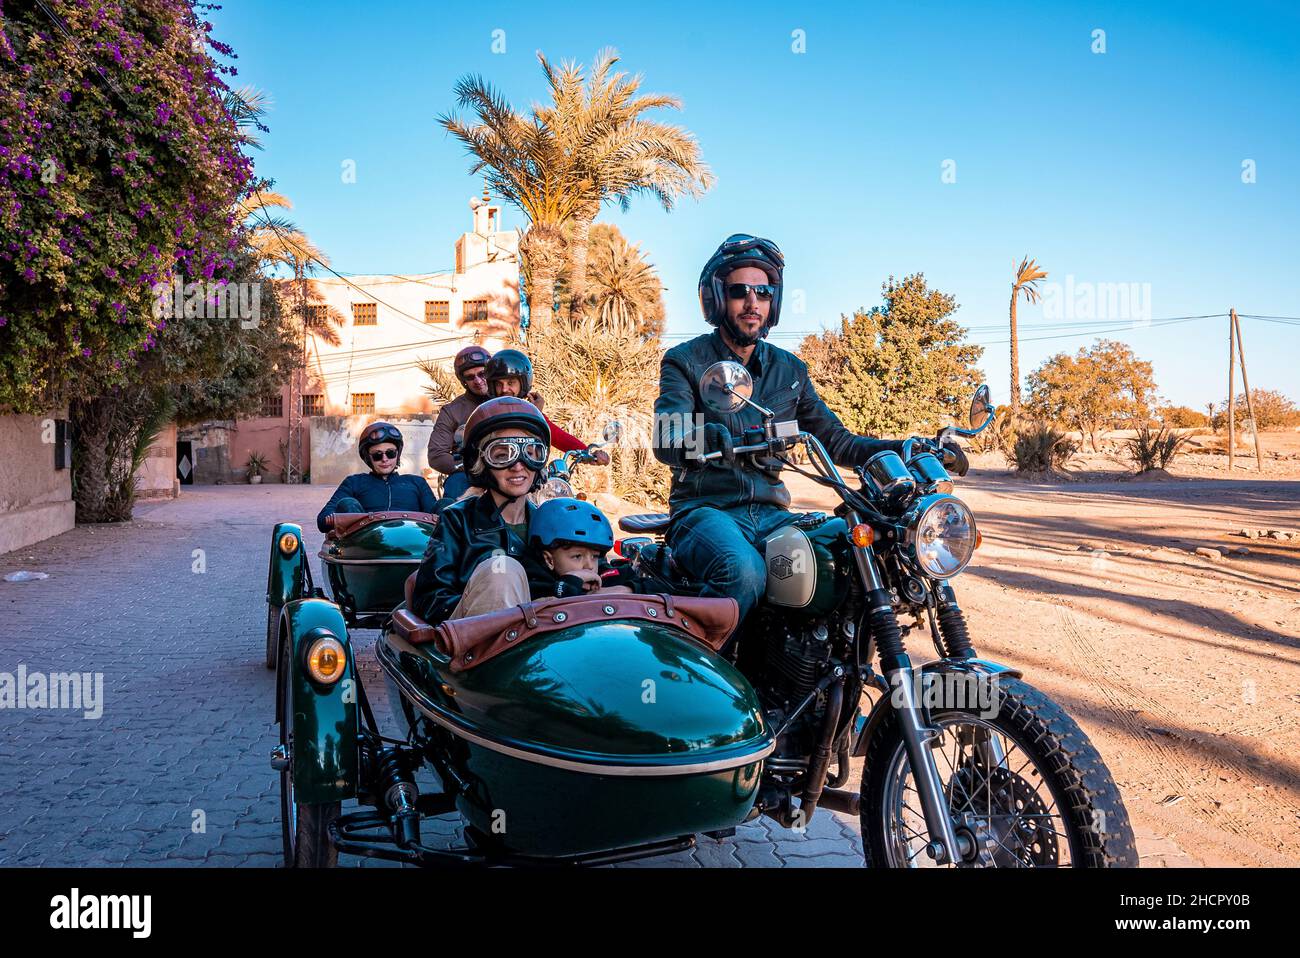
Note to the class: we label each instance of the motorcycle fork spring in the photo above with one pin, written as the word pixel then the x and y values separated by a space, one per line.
pixel 951 634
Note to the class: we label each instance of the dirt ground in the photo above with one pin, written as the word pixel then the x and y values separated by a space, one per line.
pixel 1183 669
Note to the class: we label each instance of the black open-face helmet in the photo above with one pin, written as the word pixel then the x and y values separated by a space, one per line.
pixel 375 434
pixel 737 250
pixel 510 363
pixel 504 412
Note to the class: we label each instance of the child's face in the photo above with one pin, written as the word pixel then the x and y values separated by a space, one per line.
pixel 567 559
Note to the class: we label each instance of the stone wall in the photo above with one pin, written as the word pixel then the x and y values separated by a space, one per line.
pixel 35 498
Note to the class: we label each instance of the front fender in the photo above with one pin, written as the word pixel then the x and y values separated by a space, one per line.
pixel 937 667
pixel 286 574
pixel 324 717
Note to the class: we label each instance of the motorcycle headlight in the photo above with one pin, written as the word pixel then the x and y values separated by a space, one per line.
pixel 555 488
pixel 941 535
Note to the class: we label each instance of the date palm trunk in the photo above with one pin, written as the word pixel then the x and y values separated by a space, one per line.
pixel 579 245
pixel 1015 355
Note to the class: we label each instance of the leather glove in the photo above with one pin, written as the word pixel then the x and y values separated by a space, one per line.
pixel 954 458
pixel 717 438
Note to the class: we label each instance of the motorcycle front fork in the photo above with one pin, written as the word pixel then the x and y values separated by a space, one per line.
pixel 946 846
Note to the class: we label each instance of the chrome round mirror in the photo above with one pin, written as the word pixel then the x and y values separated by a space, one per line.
pixel 723 384
pixel 613 433
pixel 980 407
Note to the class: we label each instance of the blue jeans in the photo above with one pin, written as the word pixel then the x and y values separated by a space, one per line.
pixel 455 484
pixel 718 549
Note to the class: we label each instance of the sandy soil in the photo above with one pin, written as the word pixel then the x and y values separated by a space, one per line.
pixel 1184 670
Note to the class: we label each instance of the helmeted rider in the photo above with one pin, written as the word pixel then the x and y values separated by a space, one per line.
pixel 721 511
pixel 383 488
pixel 470 366
pixel 478 558
pixel 510 373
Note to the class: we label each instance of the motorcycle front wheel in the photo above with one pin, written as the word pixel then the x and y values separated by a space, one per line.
pixel 1025 789
pixel 304 827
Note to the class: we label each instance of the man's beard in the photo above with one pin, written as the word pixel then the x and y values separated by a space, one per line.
pixel 739 338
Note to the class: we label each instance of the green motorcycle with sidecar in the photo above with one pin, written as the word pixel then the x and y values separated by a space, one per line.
pixel 603 728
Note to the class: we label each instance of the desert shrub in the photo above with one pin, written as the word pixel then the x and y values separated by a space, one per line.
pixel 1154 449
pixel 1182 417
pixel 1041 447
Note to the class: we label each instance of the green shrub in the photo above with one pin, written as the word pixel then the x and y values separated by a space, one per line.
pixel 1040 447
pixel 1154 450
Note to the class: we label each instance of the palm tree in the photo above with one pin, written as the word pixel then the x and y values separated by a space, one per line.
pixel 1027 276
pixel 524 163
pixel 623 287
pixel 599 125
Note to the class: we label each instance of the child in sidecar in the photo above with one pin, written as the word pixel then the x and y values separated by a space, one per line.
pixel 572 538
pixel 382 489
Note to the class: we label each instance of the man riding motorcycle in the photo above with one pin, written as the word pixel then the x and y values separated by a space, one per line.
pixel 723 510
pixel 382 489
pixel 470 367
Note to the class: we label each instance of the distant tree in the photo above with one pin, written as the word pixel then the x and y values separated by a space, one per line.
pixel 1103 386
pixel 1025 284
pixel 1273 410
pixel 1181 417
pixel 622 287
pixel 899 367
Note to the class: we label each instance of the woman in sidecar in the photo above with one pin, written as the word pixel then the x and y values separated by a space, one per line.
pixel 382 488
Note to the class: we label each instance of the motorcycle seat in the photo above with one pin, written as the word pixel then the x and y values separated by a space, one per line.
pixel 646 522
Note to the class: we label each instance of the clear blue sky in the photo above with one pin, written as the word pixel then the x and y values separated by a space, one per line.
pixel 1119 167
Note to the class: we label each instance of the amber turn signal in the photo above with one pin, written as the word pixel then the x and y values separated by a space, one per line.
pixel 326 660
pixel 862 535
pixel 979 538
pixel 288 544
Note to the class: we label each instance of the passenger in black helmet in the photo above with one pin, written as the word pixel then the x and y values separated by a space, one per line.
pixel 721 511
pixel 470 366
pixel 382 489
pixel 510 373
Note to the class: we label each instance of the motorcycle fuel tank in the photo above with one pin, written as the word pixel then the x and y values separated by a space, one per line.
pixel 806 563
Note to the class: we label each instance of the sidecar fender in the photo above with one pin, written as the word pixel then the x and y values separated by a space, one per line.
pixel 285 576
pixel 324 717
pixel 866 727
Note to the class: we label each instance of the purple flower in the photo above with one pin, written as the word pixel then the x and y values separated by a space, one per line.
pixel 65 96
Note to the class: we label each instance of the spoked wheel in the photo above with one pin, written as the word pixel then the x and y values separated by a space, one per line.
pixel 304 828
pixel 272 634
pixel 1025 787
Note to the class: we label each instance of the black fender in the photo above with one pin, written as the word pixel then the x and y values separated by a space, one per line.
pixel 938 667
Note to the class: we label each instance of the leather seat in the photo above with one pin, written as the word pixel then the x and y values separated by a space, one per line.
pixel 646 522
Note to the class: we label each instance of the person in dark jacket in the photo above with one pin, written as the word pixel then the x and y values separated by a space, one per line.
pixel 382 489
pixel 722 511
pixel 478 558
pixel 470 366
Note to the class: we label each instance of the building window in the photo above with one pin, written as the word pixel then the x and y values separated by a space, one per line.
pixel 317 317
pixel 363 404
pixel 272 406
pixel 313 404
pixel 365 314
pixel 474 311
pixel 437 311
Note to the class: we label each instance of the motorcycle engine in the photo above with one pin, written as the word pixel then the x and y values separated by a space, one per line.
pixel 792 662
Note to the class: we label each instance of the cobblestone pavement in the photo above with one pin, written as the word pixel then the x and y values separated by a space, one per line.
pixel 170 609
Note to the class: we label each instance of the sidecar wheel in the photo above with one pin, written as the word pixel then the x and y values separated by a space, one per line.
pixel 1045 800
pixel 272 634
pixel 304 828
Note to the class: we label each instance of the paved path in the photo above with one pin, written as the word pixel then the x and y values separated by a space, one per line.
pixel 175 771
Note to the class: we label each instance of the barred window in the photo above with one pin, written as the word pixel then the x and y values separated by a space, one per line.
pixel 313 404
pixel 365 314
pixel 273 406
pixel 475 311
pixel 363 404
pixel 437 311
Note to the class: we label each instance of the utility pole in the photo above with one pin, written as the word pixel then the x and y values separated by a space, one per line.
pixel 1245 383
pixel 1232 390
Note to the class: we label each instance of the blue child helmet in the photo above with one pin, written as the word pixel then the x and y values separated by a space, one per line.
pixel 563 521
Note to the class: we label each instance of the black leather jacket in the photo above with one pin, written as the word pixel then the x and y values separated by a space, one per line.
pixel 471 531
pixel 781 384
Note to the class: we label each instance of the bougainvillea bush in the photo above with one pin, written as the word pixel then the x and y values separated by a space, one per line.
pixel 119 170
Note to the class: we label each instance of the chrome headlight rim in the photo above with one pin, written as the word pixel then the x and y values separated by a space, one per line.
pixel 912 521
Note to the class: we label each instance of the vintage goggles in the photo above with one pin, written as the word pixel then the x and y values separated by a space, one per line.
pixel 500 453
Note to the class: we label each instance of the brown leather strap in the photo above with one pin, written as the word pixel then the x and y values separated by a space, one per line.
pixel 342 524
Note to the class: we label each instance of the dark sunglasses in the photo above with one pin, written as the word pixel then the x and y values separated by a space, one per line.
pixel 466 377
pixel 379 455
pixel 505 452
pixel 741 290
